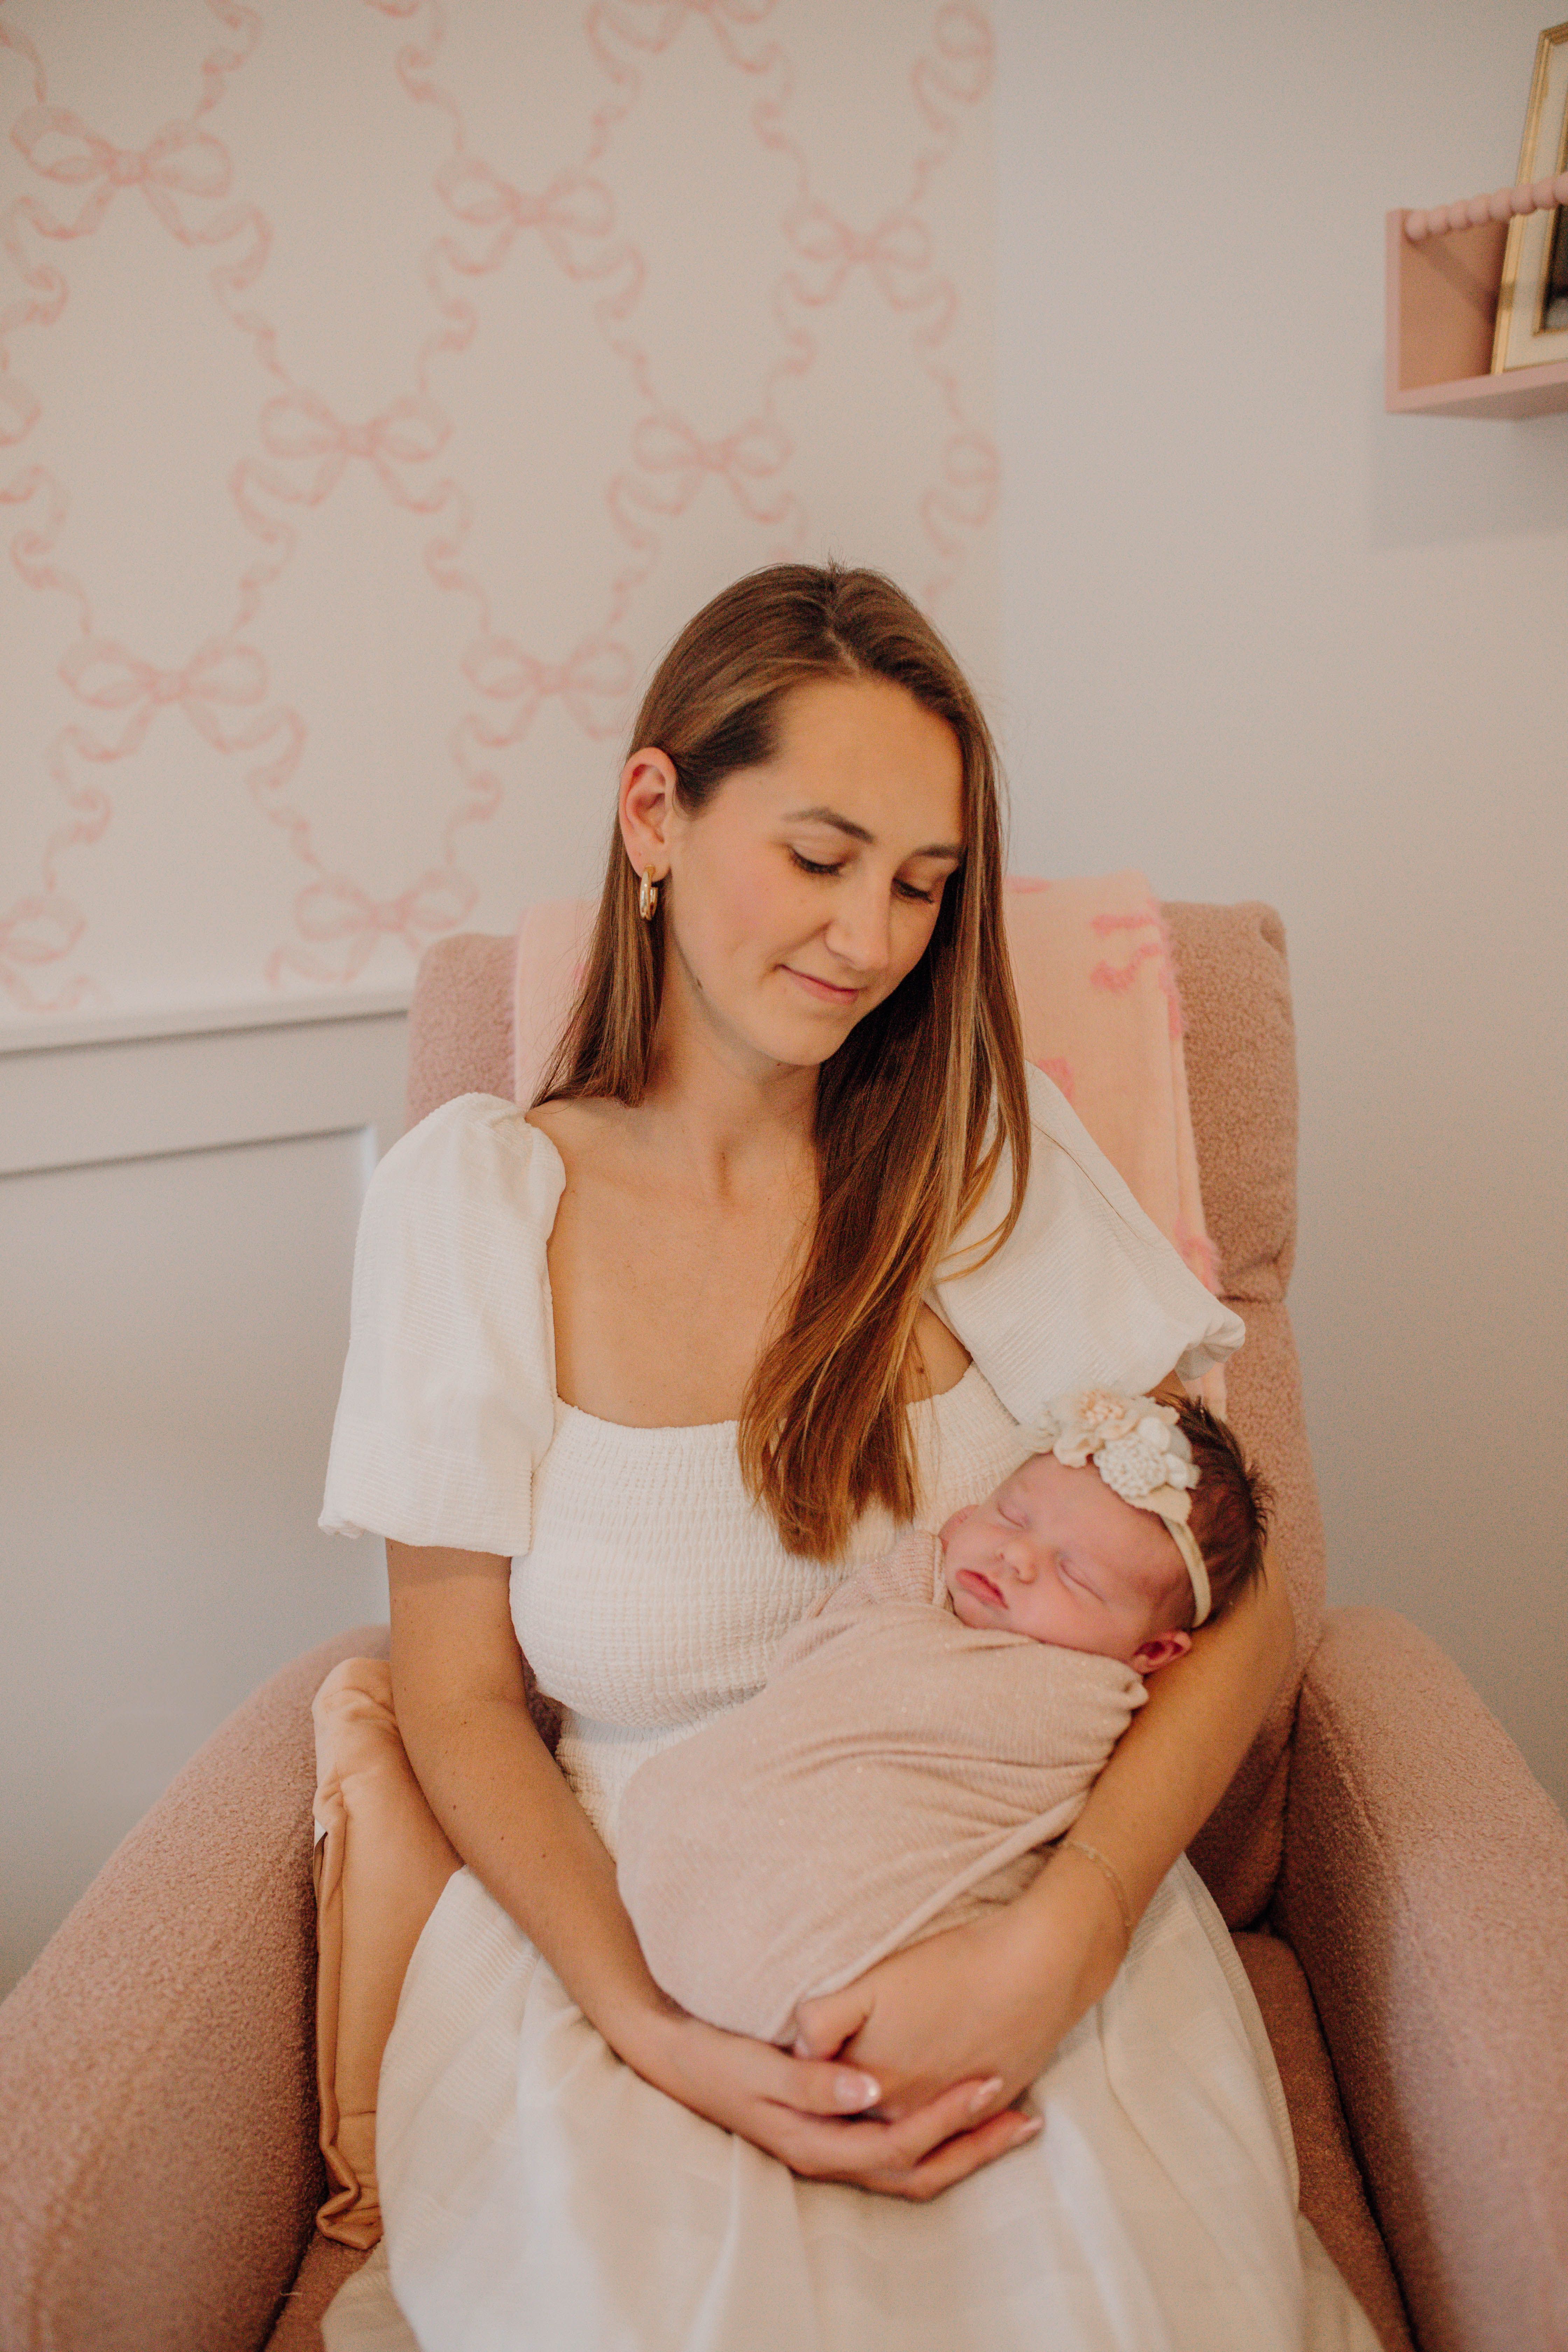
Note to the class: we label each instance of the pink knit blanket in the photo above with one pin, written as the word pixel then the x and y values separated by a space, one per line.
pixel 897 1774
pixel 1100 1014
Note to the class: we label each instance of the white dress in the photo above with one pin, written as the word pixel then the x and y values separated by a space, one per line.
pixel 537 2193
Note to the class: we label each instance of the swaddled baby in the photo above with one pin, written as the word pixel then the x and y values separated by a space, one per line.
pixel 938 1719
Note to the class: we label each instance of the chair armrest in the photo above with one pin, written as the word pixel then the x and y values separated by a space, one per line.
pixel 157 2062
pixel 1425 1891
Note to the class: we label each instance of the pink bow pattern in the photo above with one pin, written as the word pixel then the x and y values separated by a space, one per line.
pixel 335 911
pixel 300 432
pixel 303 446
pixel 593 682
pixel 221 677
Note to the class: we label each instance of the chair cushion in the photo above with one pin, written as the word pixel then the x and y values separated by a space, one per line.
pixel 459 1023
pixel 1241 1077
pixel 1238 1848
pixel 1235 989
pixel 1334 2198
pixel 326 2268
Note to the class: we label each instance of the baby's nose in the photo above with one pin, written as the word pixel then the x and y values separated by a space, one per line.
pixel 1020 1557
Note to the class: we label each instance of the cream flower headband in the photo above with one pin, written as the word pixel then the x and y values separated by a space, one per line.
pixel 1141 1454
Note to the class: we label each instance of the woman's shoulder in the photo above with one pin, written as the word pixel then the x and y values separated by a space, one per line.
pixel 473 1157
pixel 448 1393
pixel 1071 1184
pixel 1086 1288
pixel 471 1128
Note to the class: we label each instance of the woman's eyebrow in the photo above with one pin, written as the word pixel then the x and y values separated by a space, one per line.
pixel 820 816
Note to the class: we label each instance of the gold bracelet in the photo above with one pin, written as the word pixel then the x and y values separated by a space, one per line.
pixel 1113 1879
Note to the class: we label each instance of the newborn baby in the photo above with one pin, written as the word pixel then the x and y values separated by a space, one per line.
pixel 937 1720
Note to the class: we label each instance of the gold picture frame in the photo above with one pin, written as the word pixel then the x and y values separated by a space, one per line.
pixel 1532 300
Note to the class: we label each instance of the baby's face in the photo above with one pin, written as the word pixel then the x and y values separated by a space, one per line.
pixel 1055 1554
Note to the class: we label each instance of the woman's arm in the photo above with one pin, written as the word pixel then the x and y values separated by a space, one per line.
pixel 462 1710
pixel 1183 1749
pixel 498 1793
pixel 995 1999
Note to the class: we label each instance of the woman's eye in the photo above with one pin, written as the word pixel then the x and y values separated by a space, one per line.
pixel 808 865
pixel 909 890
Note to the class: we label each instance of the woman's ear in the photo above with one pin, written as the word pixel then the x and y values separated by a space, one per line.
pixel 647 806
pixel 1159 1650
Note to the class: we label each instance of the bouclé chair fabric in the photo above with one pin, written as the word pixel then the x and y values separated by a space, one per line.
pixel 159 2171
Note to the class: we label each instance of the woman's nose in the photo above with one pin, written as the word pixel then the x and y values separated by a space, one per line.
pixel 861 928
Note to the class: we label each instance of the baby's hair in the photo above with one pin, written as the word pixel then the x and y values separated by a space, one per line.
pixel 1232 1507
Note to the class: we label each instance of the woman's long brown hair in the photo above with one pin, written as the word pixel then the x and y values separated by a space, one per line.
pixel 915 1108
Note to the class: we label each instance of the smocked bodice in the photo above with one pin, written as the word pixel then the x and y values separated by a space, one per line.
pixel 654 1592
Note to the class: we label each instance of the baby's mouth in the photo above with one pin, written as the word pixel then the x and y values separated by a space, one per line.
pixel 980 1586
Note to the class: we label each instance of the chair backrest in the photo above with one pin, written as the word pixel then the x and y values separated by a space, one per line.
pixel 1241 1073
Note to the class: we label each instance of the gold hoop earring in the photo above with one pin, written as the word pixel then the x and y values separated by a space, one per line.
pixel 648 898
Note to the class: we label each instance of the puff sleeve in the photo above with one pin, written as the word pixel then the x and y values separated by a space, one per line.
pixel 448 1392
pixel 1085 1290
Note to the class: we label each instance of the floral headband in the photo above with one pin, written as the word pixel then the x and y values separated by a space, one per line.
pixel 1141 1454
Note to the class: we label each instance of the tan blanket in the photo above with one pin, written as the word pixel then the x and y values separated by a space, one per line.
pixel 898 1773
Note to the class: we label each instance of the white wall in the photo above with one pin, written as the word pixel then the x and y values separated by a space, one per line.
pixel 1266 642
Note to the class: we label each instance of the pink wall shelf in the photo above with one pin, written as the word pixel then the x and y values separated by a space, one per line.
pixel 1442 306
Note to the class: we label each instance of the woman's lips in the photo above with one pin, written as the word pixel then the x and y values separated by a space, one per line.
pixel 824 991
pixel 982 1587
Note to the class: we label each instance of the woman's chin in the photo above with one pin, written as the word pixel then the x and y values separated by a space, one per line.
pixel 800 1039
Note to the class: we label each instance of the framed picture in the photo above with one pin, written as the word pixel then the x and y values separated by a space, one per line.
pixel 1533 302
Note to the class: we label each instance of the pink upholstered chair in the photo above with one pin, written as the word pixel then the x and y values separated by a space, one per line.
pixel 1398 1882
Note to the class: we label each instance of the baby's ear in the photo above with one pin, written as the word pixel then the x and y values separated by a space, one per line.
pixel 1159 1650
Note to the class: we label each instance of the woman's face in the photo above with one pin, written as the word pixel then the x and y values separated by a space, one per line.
pixel 809 888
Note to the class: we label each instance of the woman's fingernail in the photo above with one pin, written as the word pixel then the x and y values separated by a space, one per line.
pixel 983 2095
pixel 1027 2129
pixel 855 2091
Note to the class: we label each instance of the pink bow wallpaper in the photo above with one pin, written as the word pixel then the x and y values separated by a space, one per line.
pixel 382 383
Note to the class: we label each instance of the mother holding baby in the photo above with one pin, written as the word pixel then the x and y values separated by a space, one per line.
pixel 788 1248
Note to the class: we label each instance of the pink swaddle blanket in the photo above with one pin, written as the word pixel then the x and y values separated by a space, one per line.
pixel 897 1774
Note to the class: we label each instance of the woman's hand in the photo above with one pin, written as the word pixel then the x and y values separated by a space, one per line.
pixel 986 2003
pixel 810 2113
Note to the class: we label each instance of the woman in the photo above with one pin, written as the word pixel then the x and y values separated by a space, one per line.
pixel 635 1377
